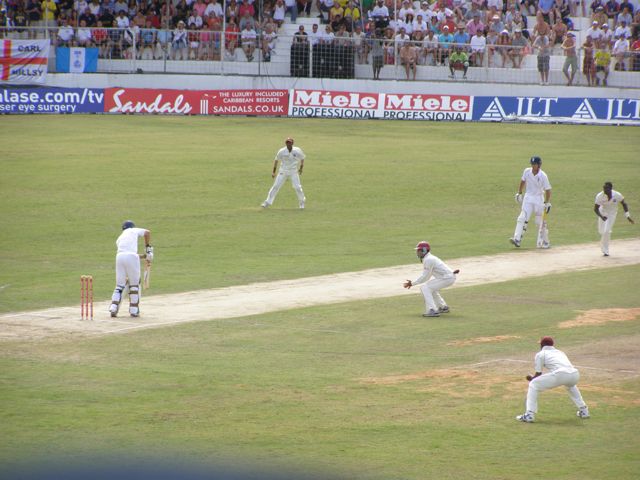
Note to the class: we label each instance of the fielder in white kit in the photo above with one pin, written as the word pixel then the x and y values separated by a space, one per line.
pixel 606 209
pixel 561 373
pixel 535 201
pixel 128 267
pixel 291 161
pixel 443 277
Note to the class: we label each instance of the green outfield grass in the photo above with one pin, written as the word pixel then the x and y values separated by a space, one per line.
pixel 374 189
pixel 367 389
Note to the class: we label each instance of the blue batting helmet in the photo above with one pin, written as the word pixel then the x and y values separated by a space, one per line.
pixel 535 160
pixel 128 224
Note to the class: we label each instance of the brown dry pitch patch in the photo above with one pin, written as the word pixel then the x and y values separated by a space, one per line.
pixel 602 316
pixel 473 341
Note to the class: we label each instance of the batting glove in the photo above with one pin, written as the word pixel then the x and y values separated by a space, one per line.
pixel 518 198
pixel 547 207
pixel 149 253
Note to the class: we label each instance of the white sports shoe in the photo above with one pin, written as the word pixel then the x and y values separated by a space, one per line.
pixel 301 205
pixel 113 310
pixel 515 242
pixel 583 412
pixel 444 309
pixel 264 205
pixel 431 313
pixel 525 417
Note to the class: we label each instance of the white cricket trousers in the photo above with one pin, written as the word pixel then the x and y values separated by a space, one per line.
pixel 431 292
pixel 555 379
pixel 605 229
pixel 279 181
pixel 127 267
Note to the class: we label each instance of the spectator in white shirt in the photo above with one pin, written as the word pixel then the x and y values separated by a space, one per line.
pixel 406 8
pixel 478 45
pixel 419 24
pixel 65 34
pixel 622 30
pixel 214 7
pixel 620 52
pixel 594 31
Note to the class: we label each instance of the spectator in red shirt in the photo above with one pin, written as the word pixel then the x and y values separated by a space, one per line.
pixel 245 7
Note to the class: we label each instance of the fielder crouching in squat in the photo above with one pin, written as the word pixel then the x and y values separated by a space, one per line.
pixel 443 277
pixel 561 373
pixel 128 267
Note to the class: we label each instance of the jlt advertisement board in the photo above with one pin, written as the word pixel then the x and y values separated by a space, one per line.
pixel 320 103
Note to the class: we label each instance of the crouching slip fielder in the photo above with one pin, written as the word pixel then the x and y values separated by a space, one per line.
pixel 443 277
pixel 128 266
pixel 606 209
pixel 535 201
pixel 292 163
pixel 561 373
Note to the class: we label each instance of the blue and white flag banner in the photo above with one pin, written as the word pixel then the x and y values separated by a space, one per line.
pixel 76 59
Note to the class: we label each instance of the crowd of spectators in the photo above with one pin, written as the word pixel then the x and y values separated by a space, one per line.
pixel 493 33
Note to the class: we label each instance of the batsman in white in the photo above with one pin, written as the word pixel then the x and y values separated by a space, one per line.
pixel 128 267
pixel 606 209
pixel 561 373
pixel 291 164
pixel 442 275
pixel 535 201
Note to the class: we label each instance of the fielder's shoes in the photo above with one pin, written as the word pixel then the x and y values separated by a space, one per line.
pixel 583 412
pixel 431 313
pixel 444 309
pixel 264 205
pixel 525 417
pixel 301 205
pixel 605 254
pixel 113 310
pixel 545 245
pixel 515 242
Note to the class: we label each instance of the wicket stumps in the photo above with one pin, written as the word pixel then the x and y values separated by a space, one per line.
pixel 86 297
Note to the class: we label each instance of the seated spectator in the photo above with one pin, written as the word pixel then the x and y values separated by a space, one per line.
pixel 147 41
pixel 380 15
pixel 65 34
pixel 248 40
pixel 101 40
pixel 620 52
pixel 407 24
pixel 269 38
pixel 635 54
pixel 602 60
pixel 324 7
pixel 163 41
pixel 326 37
pixel 459 8
pixel 179 46
pixel 247 20
pixel 504 46
pixel 458 60
pixel 121 6
pixel 430 48
pixel 461 37
pixel 475 25
pixel 545 7
pixel 404 10
pixel 195 19
pixel 337 23
pixel 419 25
pixel 518 49
pixel 233 10
pixel 445 41
pixel 360 45
pixel 449 22
pixel 193 41
pixel 83 36
pixel 402 37
pixel 314 35
pixel 478 46
pixel 231 38
pixel 594 31
pixel 492 42
pixel 600 16
pixel 389 46
pixel 352 16
pixel 496 24
pixel 588 62
pixel 628 5
pixel 622 30
pixel 213 7
pixel 625 16
pixel 540 28
pixel 409 58
pixel 89 18
pixel 558 32
pixel 279 12
pixel 246 8
pixel 342 38
pixel 607 34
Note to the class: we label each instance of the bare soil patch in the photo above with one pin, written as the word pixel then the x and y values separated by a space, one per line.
pixel 474 341
pixel 602 316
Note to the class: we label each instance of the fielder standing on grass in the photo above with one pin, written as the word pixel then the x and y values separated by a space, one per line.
pixel 443 277
pixel 291 161
pixel 535 201
pixel 128 267
pixel 606 209
pixel 561 373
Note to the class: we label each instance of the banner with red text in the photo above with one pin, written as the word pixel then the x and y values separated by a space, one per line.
pixel 392 106
pixel 196 102
pixel 23 61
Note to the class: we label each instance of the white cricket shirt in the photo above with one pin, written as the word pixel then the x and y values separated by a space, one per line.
pixel 553 360
pixel 609 207
pixel 289 160
pixel 435 267
pixel 127 242
pixel 535 185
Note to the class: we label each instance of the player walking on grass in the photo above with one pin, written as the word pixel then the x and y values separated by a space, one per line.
pixel 128 267
pixel 535 201
pixel 291 164
pixel 606 209
pixel 443 277
pixel 561 373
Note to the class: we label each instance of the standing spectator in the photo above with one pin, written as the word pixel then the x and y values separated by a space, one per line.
pixel 360 45
pixel 492 41
pixel 279 12
pixel 83 35
pixel 635 55
pixel 300 36
pixel 594 31
pixel 248 39
pixel 291 161
pixel 571 58
pixel 179 43
pixel 291 6
pixel 377 53
pixel 478 45
pixel 314 35
pixel 268 39
pixel 518 48
pixel 588 62
pixel 602 59
pixel 606 209
pixel 49 11
pixel 607 34
pixel 128 267
pixel 34 15
pixel 352 16
pixel 459 60
pixel 324 7
pixel 409 58
pixel 231 38
pixel 535 183
pixel 561 373
pixel 543 47
pixel 304 6
pixel 443 277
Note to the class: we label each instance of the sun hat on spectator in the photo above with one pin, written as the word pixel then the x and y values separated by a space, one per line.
pixel 595 22
pixel 605 25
